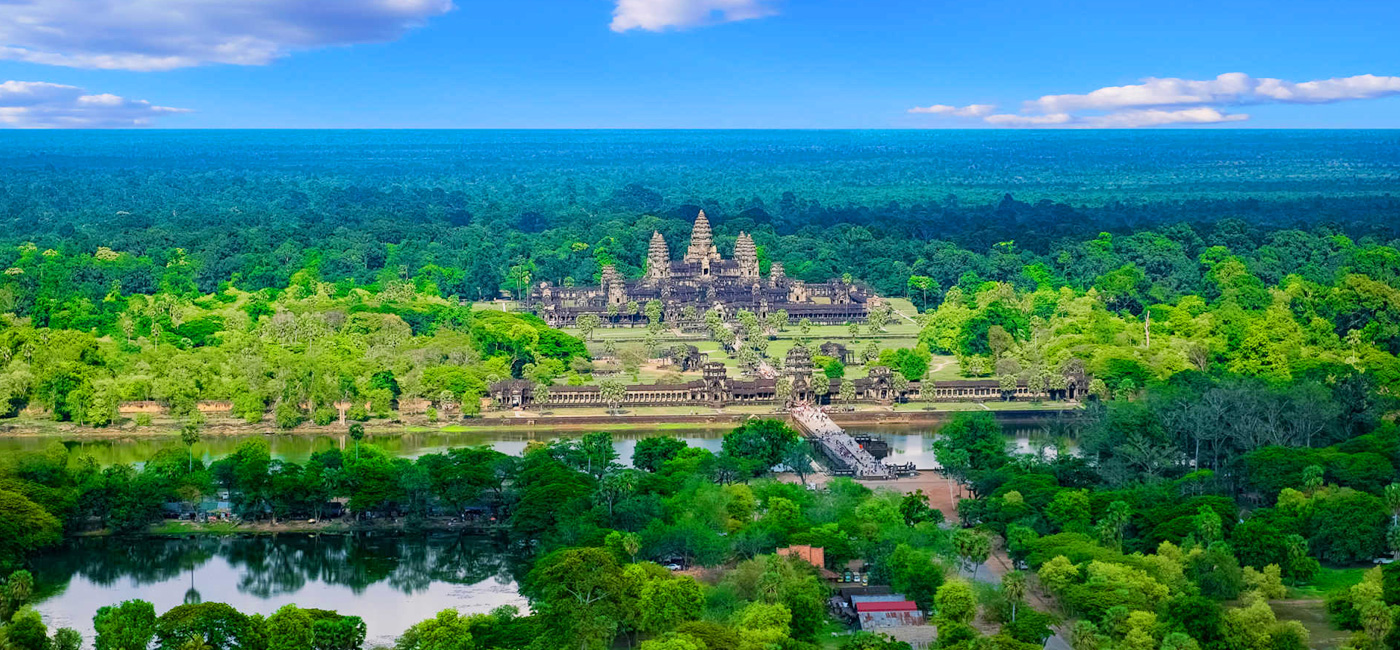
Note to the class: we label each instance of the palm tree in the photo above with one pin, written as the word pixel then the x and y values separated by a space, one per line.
pixel 189 434
pixel 1013 587
pixel 357 433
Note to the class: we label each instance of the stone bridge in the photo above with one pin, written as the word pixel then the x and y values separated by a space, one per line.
pixel 845 454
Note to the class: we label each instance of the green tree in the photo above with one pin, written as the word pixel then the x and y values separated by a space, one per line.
pixel 613 393
pixel 915 508
pixel 15 592
pixel 189 435
pixel 576 593
pixel 760 441
pixel 956 603
pixel 847 391
pixel 923 284
pixel 973 548
pixel 651 453
pixel 872 641
pixel 357 433
pixel 665 604
pixel 215 624
pixel 587 323
pixel 1113 524
pixel 290 629
pixel 1013 587
pixel 25 527
pixel 970 443
pixel 446 631
pixel 128 626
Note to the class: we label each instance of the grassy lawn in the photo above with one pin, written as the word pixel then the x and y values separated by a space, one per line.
pixel 737 409
pixel 944 368
pixel 976 406
pixel 1328 580
pixel 1312 613
pixel 172 527
pixel 496 305
pixel 629 334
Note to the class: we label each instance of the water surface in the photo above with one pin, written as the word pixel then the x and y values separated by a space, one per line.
pixel 391 581
pixel 907 443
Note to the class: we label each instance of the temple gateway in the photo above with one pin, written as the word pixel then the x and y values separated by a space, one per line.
pixel 717 389
pixel 700 281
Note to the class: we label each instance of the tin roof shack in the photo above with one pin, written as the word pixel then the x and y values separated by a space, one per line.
pixel 880 614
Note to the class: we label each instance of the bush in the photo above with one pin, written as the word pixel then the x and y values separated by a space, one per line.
pixel 357 413
pixel 381 401
pixel 288 415
pixel 1030 626
pixel 249 406
pixel 324 415
pixel 143 419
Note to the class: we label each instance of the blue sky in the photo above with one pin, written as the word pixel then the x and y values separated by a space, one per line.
pixel 697 63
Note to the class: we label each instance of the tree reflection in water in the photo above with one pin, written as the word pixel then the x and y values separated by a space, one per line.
pixel 275 565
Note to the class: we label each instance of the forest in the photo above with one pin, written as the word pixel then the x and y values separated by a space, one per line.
pixel 1116 552
pixel 1236 452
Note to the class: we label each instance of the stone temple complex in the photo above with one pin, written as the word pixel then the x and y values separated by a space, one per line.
pixel 703 280
pixel 717 389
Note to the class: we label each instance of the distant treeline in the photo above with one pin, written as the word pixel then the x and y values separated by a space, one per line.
pixel 258 230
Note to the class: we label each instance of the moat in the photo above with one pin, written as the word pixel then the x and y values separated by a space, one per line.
pixel 907 443
pixel 391 580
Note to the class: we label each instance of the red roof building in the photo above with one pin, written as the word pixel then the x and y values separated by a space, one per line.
pixel 887 606
pixel 888 613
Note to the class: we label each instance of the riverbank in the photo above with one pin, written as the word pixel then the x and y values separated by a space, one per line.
pixel 180 528
pixel 572 420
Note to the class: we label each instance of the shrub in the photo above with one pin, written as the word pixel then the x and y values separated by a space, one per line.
pixel 288 415
pixel 324 415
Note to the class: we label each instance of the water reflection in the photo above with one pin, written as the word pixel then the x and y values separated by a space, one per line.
pixel 299 447
pixel 908 443
pixel 915 444
pixel 391 581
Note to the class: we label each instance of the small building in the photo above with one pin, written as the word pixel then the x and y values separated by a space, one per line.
pixel 879 614
pixel 837 351
pixel 813 555
pixel 687 358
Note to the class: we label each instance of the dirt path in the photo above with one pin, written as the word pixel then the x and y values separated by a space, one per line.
pixel 942 493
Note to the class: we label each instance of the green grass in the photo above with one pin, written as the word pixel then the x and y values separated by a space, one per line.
pixel 944 368
pixel 976 406
pixel 1328 580
pixel 188 527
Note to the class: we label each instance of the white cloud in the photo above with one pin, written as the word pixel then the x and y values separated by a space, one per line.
pixel 38 104
pixel 1232 88
pixel 971 110
pixel 168 34
pixel 1157 117
pixel 658 15
pixel 1007 119
pixel 1163 102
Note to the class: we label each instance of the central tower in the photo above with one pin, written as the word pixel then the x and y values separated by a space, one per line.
pixel 702 242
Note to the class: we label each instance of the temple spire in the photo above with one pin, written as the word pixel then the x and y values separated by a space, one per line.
pixel 658 258
pixel 746 254
pixel 702 241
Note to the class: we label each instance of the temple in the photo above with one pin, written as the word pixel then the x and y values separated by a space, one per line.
pixel 699 281
pixel 717 389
